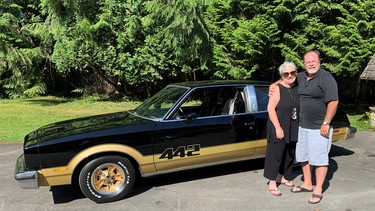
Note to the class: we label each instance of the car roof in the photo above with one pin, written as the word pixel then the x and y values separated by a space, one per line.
pixel 209 83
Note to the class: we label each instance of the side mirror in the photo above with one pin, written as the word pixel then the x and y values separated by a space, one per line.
pixel 190 117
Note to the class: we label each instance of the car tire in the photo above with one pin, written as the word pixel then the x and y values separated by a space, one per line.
pixel 107 179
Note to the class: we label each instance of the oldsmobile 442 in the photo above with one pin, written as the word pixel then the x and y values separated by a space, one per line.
pixel 185 125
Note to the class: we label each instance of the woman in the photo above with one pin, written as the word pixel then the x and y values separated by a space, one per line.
pixel 282 130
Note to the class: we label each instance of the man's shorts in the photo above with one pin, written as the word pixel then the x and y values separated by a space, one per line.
pixel 313 147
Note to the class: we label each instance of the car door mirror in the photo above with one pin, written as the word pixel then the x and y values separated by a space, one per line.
pixel 190 117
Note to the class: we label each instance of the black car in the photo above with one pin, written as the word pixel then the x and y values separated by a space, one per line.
pixel 185 125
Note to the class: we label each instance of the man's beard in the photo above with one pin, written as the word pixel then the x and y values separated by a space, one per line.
pixel 312 70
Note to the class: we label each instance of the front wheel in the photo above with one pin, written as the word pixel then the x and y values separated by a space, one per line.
pixel 107 179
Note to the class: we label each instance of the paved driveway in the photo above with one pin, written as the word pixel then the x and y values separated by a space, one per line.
pixel 350 186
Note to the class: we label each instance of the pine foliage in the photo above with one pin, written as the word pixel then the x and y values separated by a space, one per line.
pixel 135 47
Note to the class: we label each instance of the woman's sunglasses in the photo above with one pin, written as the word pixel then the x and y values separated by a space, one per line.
pixel 293 74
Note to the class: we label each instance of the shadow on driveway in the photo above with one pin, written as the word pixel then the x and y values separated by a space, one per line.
pixel 335 151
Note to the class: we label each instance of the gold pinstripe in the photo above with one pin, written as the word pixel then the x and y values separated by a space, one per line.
pixel 62 175
pixel 212 154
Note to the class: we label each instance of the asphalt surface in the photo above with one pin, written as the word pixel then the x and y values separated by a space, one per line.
pixel 350 185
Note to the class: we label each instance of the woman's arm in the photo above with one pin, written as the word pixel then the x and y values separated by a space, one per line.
pixel 271 108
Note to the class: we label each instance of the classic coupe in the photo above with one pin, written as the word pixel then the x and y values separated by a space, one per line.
pixel 185 125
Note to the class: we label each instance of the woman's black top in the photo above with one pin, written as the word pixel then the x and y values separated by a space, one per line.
pixel 288 99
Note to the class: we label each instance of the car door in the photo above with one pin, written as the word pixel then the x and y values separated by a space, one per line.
pixel 205 133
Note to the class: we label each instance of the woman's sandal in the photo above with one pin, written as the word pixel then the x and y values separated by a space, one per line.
pixel 315 196
pixel 287 183
pixel 275 192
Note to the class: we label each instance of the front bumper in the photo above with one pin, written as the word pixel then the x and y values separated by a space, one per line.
pixel 26 179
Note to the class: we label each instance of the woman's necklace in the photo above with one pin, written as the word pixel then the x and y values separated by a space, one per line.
pixel 294 109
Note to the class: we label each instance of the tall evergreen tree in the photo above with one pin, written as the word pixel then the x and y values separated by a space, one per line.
pixel 245 39
pixel 21 54
pixel 184 31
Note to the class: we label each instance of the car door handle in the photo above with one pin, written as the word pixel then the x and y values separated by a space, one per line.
pixel 249 123
pixel 163 139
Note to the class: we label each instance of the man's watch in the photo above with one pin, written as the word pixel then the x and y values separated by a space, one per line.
pixel 325 123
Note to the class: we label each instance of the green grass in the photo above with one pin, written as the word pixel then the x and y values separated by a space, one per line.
pixel 358 116
pixel 21 116
pixel 361 125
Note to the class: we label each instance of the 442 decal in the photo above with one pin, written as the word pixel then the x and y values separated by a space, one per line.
pixel 181 151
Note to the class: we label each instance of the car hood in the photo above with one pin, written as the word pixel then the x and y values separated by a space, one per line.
pixel 83 125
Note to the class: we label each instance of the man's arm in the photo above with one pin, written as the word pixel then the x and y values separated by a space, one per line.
pixel 330 113
pixel 272 87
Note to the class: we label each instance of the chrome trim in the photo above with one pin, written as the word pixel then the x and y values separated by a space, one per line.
pixel 252 104
pixel 26 179
pixel 132 112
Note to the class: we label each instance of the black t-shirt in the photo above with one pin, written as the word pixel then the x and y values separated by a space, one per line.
pixel 314 96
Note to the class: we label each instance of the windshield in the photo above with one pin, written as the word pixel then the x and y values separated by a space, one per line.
pixel 158 105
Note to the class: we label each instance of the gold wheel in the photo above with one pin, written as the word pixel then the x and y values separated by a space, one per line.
pixel 108 178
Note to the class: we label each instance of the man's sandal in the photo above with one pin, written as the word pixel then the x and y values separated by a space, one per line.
pixel 315 196
pixel 300 189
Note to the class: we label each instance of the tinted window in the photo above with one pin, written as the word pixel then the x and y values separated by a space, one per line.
pixel 262 97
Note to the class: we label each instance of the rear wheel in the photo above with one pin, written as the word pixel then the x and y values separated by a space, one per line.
pixel 107 179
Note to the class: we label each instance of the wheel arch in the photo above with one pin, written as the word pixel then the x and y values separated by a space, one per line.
pixel 138 161
pixel 82 163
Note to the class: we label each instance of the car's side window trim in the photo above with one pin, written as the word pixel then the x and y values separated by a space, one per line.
pixel 251 100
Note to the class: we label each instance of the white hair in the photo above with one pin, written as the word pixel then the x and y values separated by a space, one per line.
pixel 285 65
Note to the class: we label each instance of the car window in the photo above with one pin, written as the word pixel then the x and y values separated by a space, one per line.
pixel 158 105
pixel 204 102
pixel 261 93
pixel 192 101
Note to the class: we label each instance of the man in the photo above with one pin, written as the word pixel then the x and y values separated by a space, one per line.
pixel 318 95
